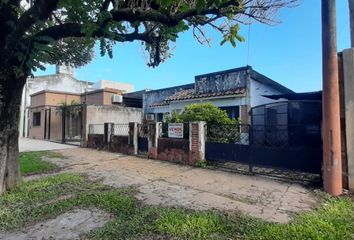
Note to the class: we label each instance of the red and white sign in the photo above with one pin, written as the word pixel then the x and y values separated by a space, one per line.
pixel 175 130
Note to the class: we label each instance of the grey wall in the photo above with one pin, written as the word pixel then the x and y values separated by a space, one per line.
pixel 348 70
pixel 154 96
pixel 221 81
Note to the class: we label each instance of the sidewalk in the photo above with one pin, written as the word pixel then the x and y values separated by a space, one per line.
pixel 30 145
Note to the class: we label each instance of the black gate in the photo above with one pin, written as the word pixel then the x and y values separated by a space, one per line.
pixel 143 144
pixel 277 147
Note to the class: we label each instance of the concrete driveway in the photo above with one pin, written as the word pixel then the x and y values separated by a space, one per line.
pixel 30 145
pixel 166 184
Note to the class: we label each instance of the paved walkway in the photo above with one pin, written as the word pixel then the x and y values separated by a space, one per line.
pixel 166 184
pixel 30 145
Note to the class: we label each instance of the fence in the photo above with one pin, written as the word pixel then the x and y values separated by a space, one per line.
pixel 292 147
pixel 120 129
pixel 287 135
pixel 96 129
pixel 228 133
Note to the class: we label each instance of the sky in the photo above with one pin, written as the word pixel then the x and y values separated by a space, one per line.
pixel 289 53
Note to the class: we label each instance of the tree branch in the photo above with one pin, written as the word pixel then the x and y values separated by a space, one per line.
pixel 75 30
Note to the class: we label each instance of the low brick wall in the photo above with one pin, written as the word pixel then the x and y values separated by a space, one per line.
pixel 120 144
pixel 96 141
pixel 174 150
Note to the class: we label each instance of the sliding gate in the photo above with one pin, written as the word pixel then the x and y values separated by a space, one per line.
pixel 277 147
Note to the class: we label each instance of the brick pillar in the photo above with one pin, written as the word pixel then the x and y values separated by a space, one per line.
pixel 244 114
pixel 133 136
pixel 154 130
pixel 197 137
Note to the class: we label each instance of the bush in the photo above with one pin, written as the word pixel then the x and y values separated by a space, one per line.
pixel 201 163
pixel 207 112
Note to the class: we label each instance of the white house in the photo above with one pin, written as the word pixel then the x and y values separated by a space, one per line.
pixel 235 90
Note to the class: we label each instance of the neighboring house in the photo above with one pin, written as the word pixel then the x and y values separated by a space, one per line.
pixel 235 90
pixel 47 120
pixel 63 81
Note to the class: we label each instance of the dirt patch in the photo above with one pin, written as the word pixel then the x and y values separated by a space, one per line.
pixel 66 226
pixel 166 184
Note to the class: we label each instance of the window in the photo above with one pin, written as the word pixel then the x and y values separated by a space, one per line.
pixel 36 119
pixel 232 112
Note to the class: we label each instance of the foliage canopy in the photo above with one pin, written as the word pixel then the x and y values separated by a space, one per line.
pixel 37 32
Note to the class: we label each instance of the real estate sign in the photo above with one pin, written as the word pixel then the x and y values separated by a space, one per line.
pixel 175 130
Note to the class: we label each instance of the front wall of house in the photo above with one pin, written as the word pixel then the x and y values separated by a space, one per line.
pixel 36 132
pixel 94 98
pixel 38 100
pixel 258 89
pixel 55 99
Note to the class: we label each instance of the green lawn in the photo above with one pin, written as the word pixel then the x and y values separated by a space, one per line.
pixel 32 163
pixel 48 197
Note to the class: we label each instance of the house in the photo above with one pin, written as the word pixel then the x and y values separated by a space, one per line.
pixel 62 81
pixel 65 116
pixel 235 90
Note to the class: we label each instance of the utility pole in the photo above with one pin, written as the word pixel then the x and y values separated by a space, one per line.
pixel 332 162
pixel 351 19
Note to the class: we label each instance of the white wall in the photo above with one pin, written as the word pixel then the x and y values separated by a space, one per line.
pixel 258 89
pixel 126 87
pixel 111 114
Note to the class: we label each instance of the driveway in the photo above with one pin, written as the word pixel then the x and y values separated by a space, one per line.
pixel 29 145
pixel 166 184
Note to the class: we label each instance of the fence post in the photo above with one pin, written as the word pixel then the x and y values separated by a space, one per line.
pixel 153 136
pixel 197 138
pixel 133 136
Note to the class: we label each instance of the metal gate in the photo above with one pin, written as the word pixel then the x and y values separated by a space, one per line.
pixel 65 125
pixel 280 150
pixel 143 144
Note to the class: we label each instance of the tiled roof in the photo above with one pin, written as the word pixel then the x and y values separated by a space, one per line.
pixel 159 104
pixel 191 94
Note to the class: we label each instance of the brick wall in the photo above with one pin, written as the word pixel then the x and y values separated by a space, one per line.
pixel 96 141
pixel 120 144
pixel 173 150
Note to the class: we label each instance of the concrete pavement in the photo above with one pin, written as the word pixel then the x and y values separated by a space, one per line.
pixel 31 145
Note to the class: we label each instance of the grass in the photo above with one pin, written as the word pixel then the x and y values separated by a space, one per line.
pixel 32 163
pixel 36 200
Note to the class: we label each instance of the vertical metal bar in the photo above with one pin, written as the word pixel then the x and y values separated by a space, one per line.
pixel 63 125
pixel 49 125
pixel 332 165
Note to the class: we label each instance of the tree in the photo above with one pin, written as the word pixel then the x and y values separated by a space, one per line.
pixel 64 31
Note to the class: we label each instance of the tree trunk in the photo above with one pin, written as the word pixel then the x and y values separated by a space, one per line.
pixel 10 99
